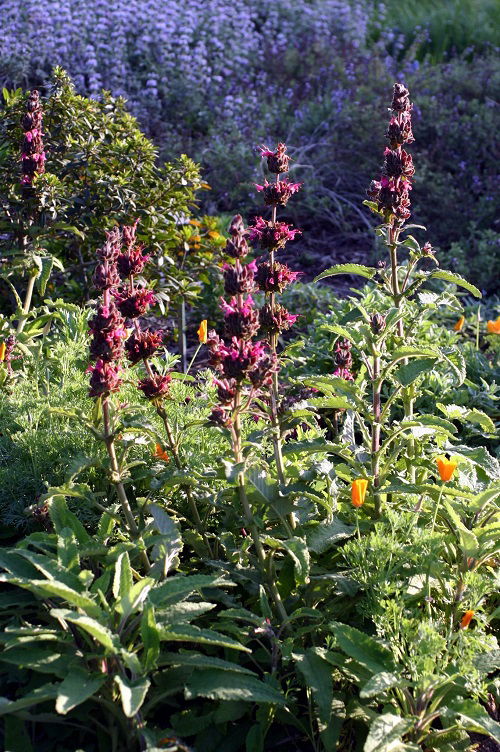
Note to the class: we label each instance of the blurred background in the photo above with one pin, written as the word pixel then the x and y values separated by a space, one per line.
pixel 216 78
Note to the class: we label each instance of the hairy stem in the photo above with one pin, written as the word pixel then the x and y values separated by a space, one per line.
pixel 27 303
pixel 116 480
pixel 265 570
pixel 377 386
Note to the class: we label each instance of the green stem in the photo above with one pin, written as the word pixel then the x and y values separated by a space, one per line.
pixel 375 443
pixel 181 325
pixel 266 572
pixel 116 480
pixel 434 517
pixel 27 303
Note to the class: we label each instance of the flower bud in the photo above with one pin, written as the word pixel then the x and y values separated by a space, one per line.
pixel 377 323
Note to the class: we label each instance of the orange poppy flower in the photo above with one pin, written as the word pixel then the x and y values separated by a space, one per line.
pixel 214 234
pixel 161 453
pixel 466 619
pixel 460 324
pixel 358 491
pixel 493 327
pixel 203 332
pixel 446 467
pixel 195 222
pixel 3 349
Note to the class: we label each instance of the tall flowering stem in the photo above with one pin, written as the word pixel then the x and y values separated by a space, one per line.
pixel 245 369
pixel 391 197
pixel 106 351
pixel 32 164
pixel 133 301
pixel 273 277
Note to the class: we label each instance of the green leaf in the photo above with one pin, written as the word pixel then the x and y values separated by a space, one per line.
pixel 475 718
pixel 197 660
pixel 363 648
pixel 363 271
pixel 297 548
pixel 133 600
pixel 150 637
pixel 191 633
pixel 406 374
pixel 101 633
pixel 318 677
pixel 456 279
pixel 62 517
pixel 380 683
pixel 333 403
pixel 456 362
pixel 325 535
pixel 17 738
pixel 133 694
pixel 413 352
pixel 122 581
pixel 384 731
pixel 225 685
pixel 46 268
pixel 49 588
pixel 67 550
pixel 41 694
pixel 179 587
pixel 468 541
pixel 77 687
pixel 41 659
pixel 481 419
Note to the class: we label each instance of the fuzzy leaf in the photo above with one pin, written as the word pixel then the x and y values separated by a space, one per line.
pixel 363 271
pixel 191 633
pixel 41 694
pixel 380 683
pixel 77 687
pixel 325 535
pixel 333 403
pixel 406 374
pixel 122 581
pixel 475 718
pixel 177 588
pixel 318 677
pixel 224 685
pixel 197 660
pixel 101 633
pixel 456 279
pixel 384 731
pixel 133 694
pixel 297 548
pixel 363 648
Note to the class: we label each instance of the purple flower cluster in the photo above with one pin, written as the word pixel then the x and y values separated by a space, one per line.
pixel 343 360
pixel 32 151
pixel 392 192
pixel 119 259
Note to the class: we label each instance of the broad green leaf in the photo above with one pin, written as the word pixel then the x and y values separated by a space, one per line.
pixel 468 541
pixel 333 403
pixel 133 694
pixel 351 334
pixel 225 685
pixel 184 612
pixel 150 637
pixel 456 361
pixel 363 271
pixel 191 633
pixel 44 588
pixel 297 548
pixel 363 648
pixel 481 419
pixel 62 517
pixel 406 374
pixel 47 262
pixel 384 731
pixel 475 718
pixel 101 633
pixel 456 279
pixel 179 587
pixel 318 677
pixel 325 535
pixel 409 351
pixel 41 694
pixel 67 550
pixel 380 683
pixel 77 687
pixel 16 736
pixel 133 600
pixel 122 581
pixel 197 660
pixel 41 659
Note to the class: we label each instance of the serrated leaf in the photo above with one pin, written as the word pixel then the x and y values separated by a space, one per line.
pixel 476 718
pixel 380 683
pixel 456 361
pixel 44 588
pixel 132 693
pixel 407 374
pixel 456 279
pixel 77 687
pixel 191 633
pixel 224 685
pixel 333 403
pixel 122 581
pixel 363 271
pixel 101 633
pixel 363 648
pixel 41 694
pixel 297 548
pixel 197 660
pixel 67 550
pixel 47 263
pixel 384 731
pixel 318 677
pixel 409 351
pixel 150 638
pixel 179 587
pixel 62 517
pixel 481 419
pixel 325 535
